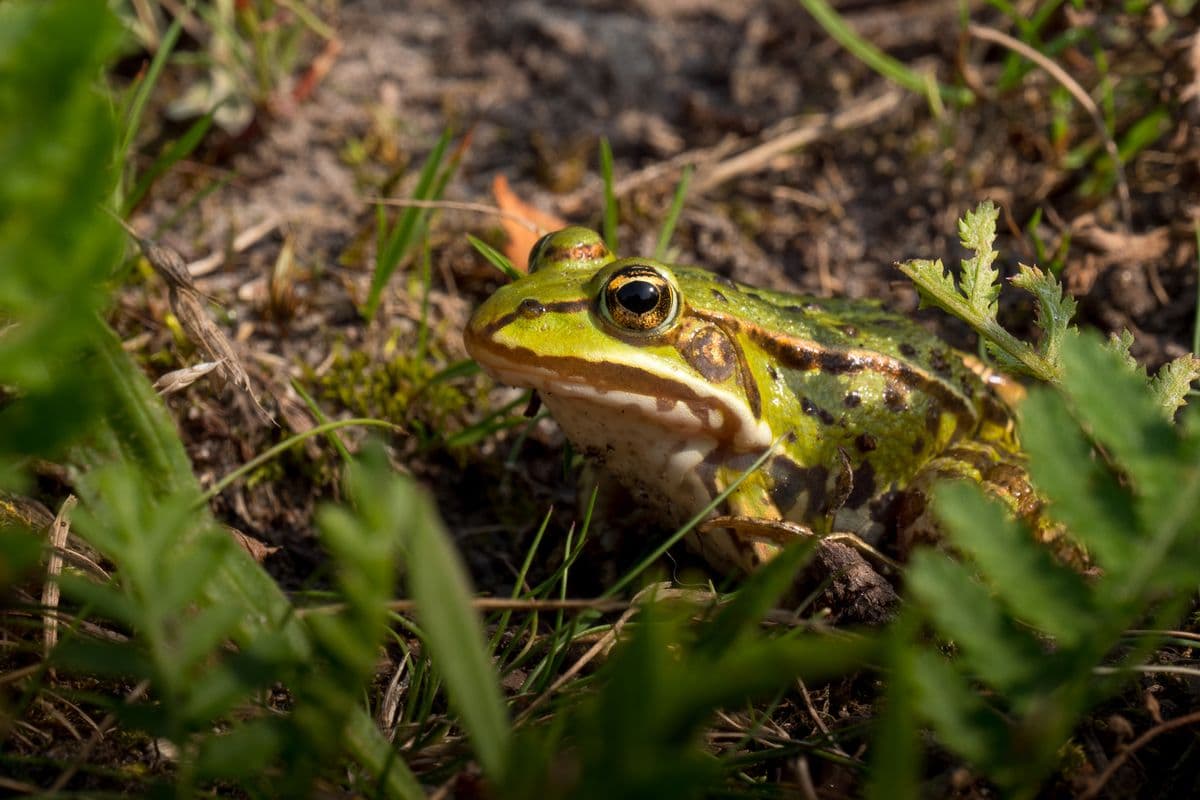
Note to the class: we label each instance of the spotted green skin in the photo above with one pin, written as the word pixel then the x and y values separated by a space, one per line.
pixel 864 407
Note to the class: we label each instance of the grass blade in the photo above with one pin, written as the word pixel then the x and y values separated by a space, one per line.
pixel 668 228
pixel 455 636
pixel 396 241
pixel 610 197
pixel 494 257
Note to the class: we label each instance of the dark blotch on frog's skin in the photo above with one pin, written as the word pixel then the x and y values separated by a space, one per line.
pixel 851 331
pixel 937 360
pixel 717 294
pixel 864 486
pixel 865 442
pixel 814 410
pixel 918 445
pixel 852 400
pixel 789 479
pixel 710 353
pixel 981 460
pixel 933 420
pixel 531 308
pixel 907 350
pixel 995 412
pixel 894 398
pixel 774 373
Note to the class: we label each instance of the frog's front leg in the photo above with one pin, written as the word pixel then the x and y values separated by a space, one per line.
pixel 856 591
pixel 1001 473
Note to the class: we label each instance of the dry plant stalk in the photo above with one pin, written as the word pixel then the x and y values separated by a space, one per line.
pixel 50 591
pixel 188 308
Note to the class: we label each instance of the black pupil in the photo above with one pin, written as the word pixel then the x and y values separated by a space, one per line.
pixel 638 296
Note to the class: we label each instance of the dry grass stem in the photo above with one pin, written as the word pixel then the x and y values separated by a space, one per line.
pixel 860 113
pixel 1081 97
pixel 1137 744
pixel 51 593
pixel 242 242
pixel 182 378
pixel 454 205
pixel 204 333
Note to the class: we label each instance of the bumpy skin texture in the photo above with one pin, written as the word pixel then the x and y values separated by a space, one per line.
pixel 678 380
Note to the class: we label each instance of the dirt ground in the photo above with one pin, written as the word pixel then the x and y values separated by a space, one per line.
pixel 533 85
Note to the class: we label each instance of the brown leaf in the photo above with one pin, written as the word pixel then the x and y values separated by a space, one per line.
pixel 258 550
pixel 521 238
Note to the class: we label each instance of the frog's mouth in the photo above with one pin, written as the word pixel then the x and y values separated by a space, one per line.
pixel 672 403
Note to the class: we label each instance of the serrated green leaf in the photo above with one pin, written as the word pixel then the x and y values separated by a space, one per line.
pixel 243 752
pixel 1173 381
pixel 1081 491
pixel 979 282
pixel 1120 343
pixel 1054 308
pixel 964 723
pixel 94 657
pixel 896 752
pixel 1020 571
pixel 1123 415
pixel 934 285
pixel 962 609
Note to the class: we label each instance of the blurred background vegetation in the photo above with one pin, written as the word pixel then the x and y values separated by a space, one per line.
pixel 268 532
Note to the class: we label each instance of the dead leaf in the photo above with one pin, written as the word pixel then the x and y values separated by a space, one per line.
pixel 258 550
pixel 182 378
pixel 520 238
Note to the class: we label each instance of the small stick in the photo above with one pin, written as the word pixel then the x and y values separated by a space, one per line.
pixel 756 157
pixel 50 590
pixel 454 205
pixel 1140 742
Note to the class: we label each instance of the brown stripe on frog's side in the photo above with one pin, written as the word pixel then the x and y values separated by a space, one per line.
pixel 530 308
pixel 809 356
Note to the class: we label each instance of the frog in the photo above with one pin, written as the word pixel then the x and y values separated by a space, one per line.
pixel 830 418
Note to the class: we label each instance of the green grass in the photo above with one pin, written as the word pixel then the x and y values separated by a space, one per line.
pixel 997 655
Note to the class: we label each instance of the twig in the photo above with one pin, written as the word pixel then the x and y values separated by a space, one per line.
pixel 1081 96
pixel 492 604
pixel 243 241
pixel 857 115
pixel 1137 744
pixel 85 752
pixel 455 205
pixel 820 723
pixel 655 591
pixel 602 644
pixel 50 590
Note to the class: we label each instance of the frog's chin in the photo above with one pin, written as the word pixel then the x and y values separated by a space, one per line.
pixel 701 411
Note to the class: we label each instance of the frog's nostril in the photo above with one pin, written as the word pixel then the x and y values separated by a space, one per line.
pixel 531 308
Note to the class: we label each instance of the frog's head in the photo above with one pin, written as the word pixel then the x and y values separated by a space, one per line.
pixel 616 341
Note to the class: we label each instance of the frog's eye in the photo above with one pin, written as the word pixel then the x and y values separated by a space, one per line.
pixel 535 252
pixel 639 299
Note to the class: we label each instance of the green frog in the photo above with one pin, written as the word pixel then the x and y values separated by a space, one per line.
pixel 679 380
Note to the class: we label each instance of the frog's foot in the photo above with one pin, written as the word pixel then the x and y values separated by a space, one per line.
pixel 856 591
pixel 782 533
pixel 1002 475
